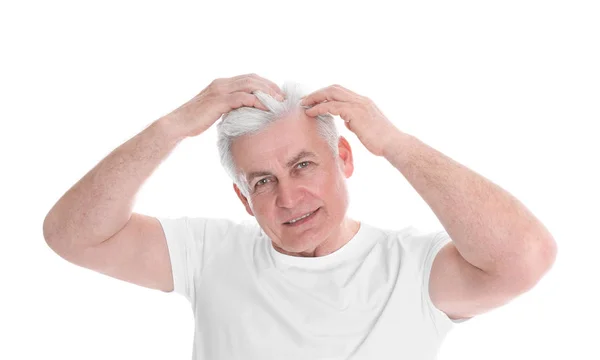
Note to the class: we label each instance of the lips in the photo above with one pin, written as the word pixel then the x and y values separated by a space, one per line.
pixel 299 216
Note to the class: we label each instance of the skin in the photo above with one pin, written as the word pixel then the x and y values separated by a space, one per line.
pixel 499 249
pixel 310 183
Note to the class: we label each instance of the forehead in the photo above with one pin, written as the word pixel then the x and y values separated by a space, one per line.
pixel 275 145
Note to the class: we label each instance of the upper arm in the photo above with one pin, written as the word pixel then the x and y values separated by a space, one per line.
pixel 462 290
pixel 138 254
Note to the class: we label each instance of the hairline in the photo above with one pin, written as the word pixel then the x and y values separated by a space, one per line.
pixel 227 131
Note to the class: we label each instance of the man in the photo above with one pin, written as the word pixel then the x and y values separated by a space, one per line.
pixel 304 281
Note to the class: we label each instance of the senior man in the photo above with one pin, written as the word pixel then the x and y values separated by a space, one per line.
pixel 304 281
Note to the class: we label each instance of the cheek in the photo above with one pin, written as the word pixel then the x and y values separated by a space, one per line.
pixel 258 206
pixel 263 208
pixel 326 184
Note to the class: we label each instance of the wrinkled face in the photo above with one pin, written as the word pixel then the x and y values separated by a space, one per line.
pixel 290 171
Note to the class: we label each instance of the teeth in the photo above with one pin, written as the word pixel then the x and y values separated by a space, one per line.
pixel 300 218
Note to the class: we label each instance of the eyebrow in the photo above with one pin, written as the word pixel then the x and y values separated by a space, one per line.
pixel 290 163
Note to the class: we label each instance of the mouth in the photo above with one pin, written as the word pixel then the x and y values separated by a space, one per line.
pixel 306 218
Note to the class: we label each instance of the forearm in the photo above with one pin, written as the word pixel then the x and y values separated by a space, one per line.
pixel 101 203
pixel 491 229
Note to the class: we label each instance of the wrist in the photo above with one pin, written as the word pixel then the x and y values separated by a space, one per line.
pixel 395 143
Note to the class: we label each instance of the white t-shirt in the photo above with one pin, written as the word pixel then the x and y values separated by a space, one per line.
pixel 367 300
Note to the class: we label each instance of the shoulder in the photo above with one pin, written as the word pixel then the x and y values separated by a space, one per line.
pixel 421 243
pixel 211 233
pixel 441 270
pixel 213 226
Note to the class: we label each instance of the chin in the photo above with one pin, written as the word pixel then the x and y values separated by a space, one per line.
pixel 306 243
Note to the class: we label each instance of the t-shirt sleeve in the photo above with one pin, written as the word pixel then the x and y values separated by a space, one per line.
pixel 184 253
pixel 433 243
pixel 191 242
pixel 422 248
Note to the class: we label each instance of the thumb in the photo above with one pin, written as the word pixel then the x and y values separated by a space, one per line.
pixel 347 123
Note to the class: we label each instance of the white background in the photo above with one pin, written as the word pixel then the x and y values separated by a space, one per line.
pixel 509 89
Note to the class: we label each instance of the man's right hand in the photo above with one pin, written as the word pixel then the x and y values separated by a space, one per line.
pixel 219 97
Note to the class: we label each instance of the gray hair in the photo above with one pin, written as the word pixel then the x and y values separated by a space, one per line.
pixel 250 120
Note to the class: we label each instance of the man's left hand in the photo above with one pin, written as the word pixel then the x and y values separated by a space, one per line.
pixel 359 113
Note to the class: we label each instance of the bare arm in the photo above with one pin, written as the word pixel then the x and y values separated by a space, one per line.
pixel 93 226
pixel 101 203
pixel 499 249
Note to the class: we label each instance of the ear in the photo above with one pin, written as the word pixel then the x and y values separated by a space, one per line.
pixel 345 160
pixel 243 199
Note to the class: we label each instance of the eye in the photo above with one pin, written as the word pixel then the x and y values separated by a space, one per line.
pixel 304 162
pixel 300 165
pixel 259 182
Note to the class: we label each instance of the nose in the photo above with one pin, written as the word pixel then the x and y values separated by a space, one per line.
pixel 288 195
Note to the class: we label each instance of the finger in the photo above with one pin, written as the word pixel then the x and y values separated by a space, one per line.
pixel 249 84
pixel 329 107
pixel 269 83
pixel 241 76
pixel 330 93
pixel 253 82
pixel 240 98
pixel 273 86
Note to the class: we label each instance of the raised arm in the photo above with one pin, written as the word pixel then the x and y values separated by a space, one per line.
pixel 92 224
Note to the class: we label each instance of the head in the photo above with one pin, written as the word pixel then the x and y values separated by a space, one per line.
pixel 285 164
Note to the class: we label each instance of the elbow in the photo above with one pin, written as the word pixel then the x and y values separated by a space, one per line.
pixel 48 229
pixel 51 233
pixel 545 258
pixel 535 265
